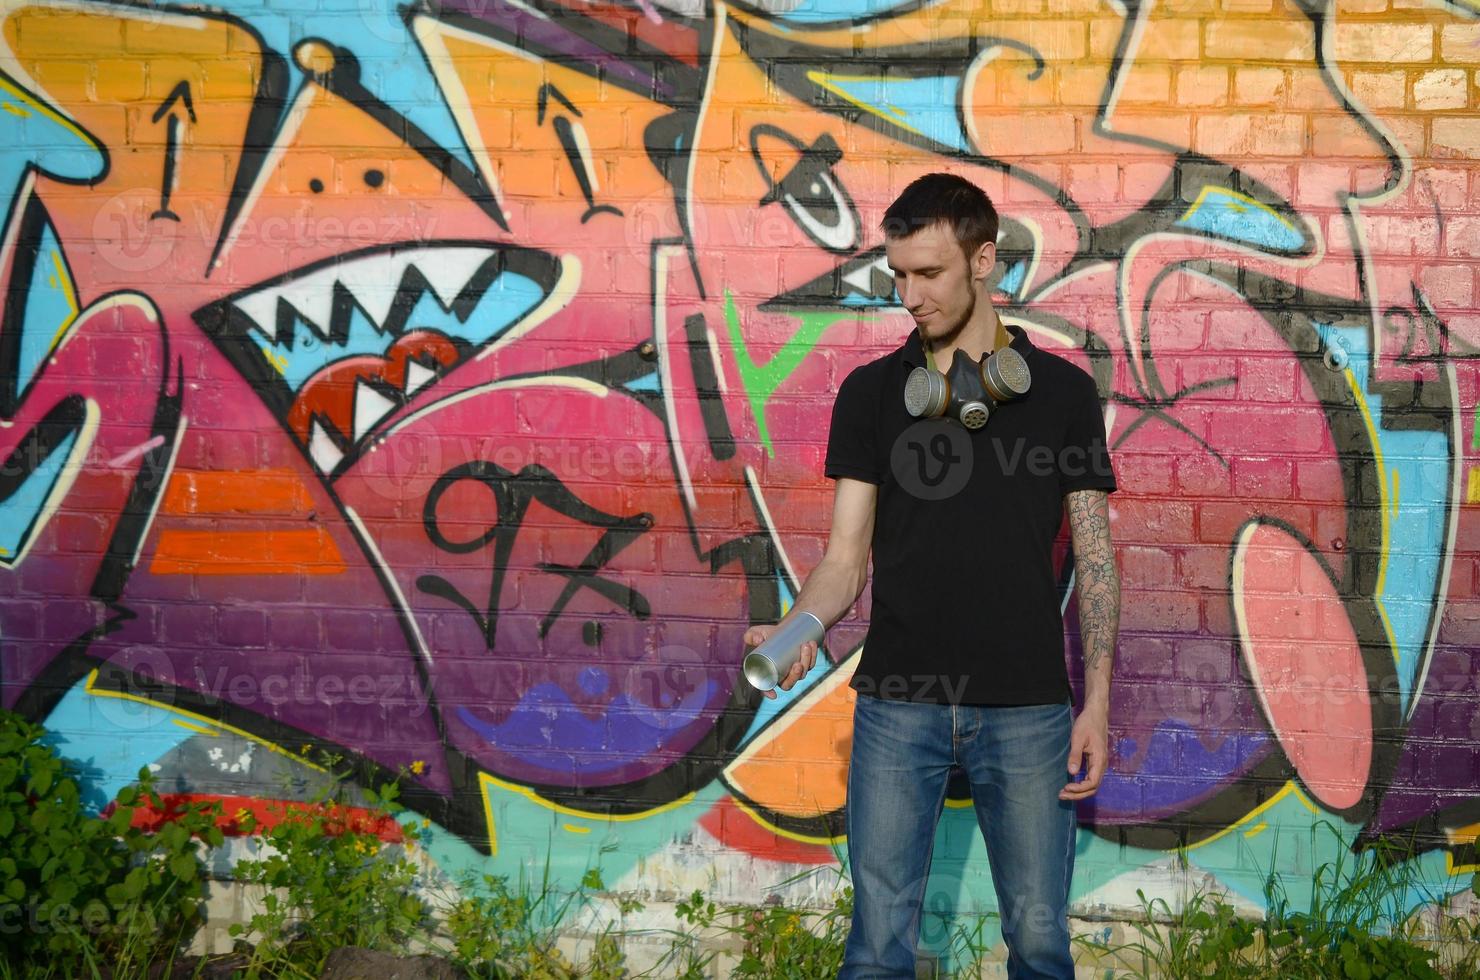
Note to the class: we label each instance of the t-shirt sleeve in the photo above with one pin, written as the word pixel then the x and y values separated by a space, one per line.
pixel 1084 462
pixel 851 440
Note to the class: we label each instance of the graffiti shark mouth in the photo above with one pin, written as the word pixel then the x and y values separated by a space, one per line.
pixel 337 347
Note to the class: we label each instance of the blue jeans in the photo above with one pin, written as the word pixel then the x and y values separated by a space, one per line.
pixel 1015 758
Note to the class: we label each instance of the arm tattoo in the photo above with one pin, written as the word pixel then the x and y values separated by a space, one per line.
pixel 1097 580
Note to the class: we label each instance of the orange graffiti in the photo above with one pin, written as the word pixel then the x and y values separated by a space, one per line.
pixel 278 552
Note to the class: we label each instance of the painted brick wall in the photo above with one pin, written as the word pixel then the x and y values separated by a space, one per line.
pixel 446 389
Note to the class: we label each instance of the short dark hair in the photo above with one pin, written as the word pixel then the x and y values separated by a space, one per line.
pixel 944 199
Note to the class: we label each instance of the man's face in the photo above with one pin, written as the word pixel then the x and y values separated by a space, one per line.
pixel 934 280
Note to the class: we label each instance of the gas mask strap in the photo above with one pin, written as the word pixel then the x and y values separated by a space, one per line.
pixel 1002 338
pixel 925 346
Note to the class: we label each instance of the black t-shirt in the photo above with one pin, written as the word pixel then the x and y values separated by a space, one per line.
pixel 965 593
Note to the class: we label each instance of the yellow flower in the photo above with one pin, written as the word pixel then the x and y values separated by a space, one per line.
pixel 303 749
pixel 418 767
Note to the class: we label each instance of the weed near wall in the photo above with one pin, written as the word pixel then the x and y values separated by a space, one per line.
pixel 96 896
pixel 1356 927
pixel 81 895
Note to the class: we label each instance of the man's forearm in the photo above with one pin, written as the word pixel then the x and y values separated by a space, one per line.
pixel 1098 586
pixel 830 591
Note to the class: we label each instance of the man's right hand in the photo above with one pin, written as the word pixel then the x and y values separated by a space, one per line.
pixel 837 580
pixel 757 635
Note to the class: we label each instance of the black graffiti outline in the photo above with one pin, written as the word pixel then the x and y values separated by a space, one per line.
pixel 1441 344
pixel 1151 407
pixel 575 154
pixel 180 93
pixel 814 167
pixel 669 77
pixel 136 515
pixel 513 493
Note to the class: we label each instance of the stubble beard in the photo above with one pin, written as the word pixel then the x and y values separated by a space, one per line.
pixel 953 332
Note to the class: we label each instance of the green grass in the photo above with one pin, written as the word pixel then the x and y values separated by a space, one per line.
pixel 327 882
pixel 1356 927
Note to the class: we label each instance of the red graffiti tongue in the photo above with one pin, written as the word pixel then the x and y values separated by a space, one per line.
pixel 341 404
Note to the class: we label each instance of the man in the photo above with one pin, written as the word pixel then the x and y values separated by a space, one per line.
pixel 963 663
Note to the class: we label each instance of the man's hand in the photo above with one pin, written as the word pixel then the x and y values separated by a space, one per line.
pixel 757 635
pixel 1089 748
pixel 838 579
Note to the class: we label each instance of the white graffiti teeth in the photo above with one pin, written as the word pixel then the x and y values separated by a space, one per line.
pixel 322 448
pixel 417 375
pixel 373 280
pixel 370 407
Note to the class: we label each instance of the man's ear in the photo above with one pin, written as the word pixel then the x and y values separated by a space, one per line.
pixel 986 260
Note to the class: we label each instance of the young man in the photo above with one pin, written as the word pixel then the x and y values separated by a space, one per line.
pixel 963 665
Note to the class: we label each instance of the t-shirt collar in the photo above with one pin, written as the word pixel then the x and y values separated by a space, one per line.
pixel 913 350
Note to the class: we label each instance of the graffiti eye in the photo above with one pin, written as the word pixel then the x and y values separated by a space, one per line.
pixel 820 207
pixel 810 189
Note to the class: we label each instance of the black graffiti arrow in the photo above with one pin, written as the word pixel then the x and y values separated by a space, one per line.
pixel 575 148
pixel 180 93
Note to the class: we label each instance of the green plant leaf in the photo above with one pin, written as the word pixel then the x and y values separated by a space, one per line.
pixel 172 836
pixel 183 866
pixel 62 889
pixel 40 781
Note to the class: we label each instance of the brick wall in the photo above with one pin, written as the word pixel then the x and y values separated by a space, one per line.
pixel 447 391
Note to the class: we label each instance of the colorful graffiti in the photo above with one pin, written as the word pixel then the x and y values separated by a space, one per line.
pixel 448 383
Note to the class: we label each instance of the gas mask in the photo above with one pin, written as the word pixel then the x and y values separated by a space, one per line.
pixel 971 389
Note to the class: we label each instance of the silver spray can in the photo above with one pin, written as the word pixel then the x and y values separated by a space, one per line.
pixel 768 663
